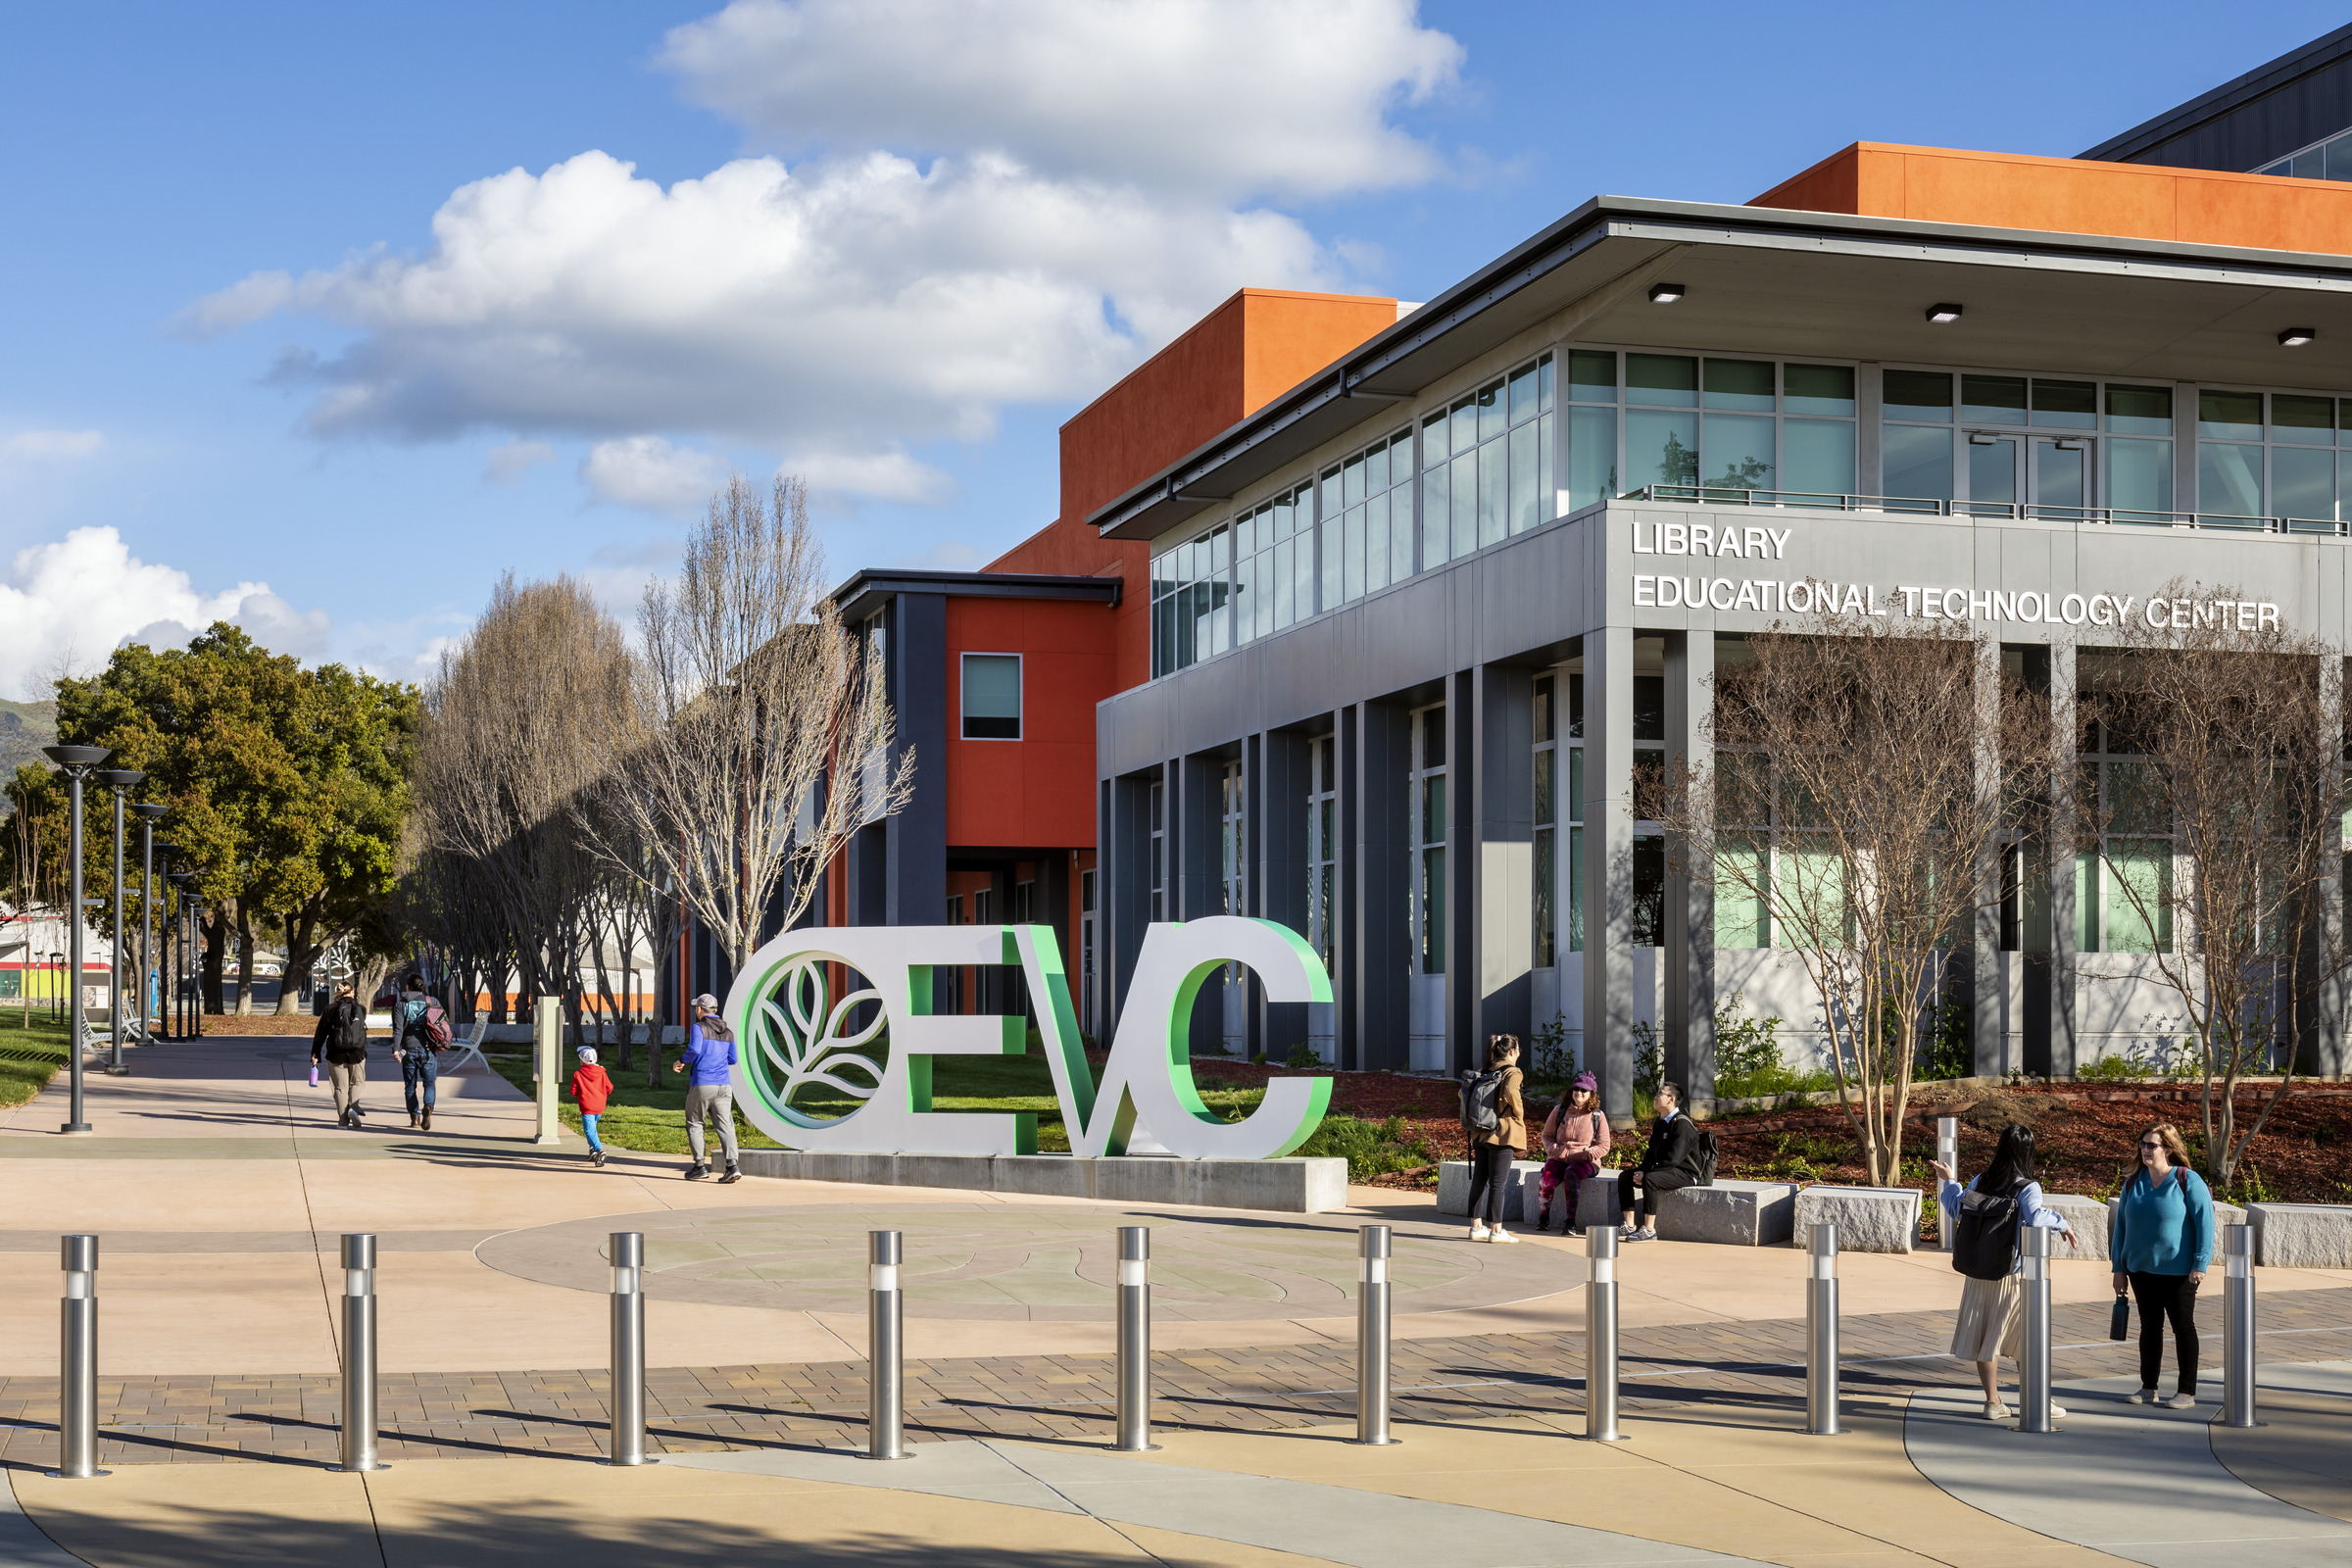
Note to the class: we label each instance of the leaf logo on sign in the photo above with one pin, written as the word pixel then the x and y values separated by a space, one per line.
pixel 799 1039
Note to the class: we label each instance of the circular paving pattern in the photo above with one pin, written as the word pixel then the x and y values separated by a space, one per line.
pixel 1045 1264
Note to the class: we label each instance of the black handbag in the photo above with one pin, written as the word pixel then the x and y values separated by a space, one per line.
pixel 2119 1322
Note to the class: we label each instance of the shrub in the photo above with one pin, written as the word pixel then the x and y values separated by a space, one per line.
pixel 1371 1149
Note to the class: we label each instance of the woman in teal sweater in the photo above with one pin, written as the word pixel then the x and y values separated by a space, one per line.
pixel 2163 1242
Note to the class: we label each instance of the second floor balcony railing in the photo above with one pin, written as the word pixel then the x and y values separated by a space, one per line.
pixel 1928 507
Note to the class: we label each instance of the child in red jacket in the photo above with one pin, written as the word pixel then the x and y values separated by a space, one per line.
pixel 592 1086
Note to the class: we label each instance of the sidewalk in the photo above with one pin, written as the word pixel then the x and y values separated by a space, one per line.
pixel 218 1185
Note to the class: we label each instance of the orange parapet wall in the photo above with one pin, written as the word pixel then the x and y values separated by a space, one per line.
pixel 2070 196
pixel 1234 360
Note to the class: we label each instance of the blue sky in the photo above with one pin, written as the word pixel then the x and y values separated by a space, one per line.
pixel 233 334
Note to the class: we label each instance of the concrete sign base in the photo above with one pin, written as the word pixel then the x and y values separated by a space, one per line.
pixel 1287 1186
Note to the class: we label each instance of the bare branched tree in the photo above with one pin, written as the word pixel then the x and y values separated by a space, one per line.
pixel 2215 831
pixel 515 738
pixel 756 735
pixel 1853 805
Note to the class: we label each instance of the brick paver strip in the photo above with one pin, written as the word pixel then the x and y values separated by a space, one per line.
pixel 690 1409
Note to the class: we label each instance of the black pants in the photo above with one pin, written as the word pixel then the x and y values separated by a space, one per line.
pixel 1490 1172
pixel 2163 1296
pixel 1655 1183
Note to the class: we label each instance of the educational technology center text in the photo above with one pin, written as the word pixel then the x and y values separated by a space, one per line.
pixel 1811 596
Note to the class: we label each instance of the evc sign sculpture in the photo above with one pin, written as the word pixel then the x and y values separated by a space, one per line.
pixel 794 1033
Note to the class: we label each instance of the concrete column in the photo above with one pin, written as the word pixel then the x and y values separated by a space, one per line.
pixel 2323 1034
pixel 1375 884
pixel 1609 863
pixel 1497 940
pixel 2050 1019
pixel 1278 888
pixel 1690 954
pixel 1983 976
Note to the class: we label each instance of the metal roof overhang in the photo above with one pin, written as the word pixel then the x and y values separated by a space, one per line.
pixel 859 597
pixel 1772 282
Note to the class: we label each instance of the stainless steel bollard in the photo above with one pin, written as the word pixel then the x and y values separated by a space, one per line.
pixel 1821 1332
pixel 1372 1337
pixel 359 1356
pixel 77 1362
pixel 2238 1326
pixel 1600 1337
pixel 2033 1368
pixel 628 1349
pixel 885 1350
pixel 1135 1340
pixel 1948 1150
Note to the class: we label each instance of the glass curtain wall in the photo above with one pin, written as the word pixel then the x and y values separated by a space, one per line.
pixel 2272 455
pixel 1322 848
pixel 1997 444
pixel 1545 921
pixel 1429 823
pixel 1486 465
pixel 1723 426
pixel 2122 890
pixel 1159 851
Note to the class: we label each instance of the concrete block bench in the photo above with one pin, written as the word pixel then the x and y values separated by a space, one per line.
pixel 1869 1219
pixel 2093 1222
pixel 2297 1235
pixel 1518 1189
pixel 1730 1213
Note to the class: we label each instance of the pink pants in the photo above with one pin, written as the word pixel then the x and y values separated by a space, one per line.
pixel 1568 1173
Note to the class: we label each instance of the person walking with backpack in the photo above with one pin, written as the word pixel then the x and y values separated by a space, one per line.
pixel 1496 1122
pixel 1576 1139
pixel 709 1059
pixel 1988 1216
pixel 341 1041
pixel 2162 1245
pixel 413 1047
pixel 1671 1161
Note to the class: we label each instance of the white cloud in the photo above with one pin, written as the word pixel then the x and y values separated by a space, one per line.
pixel 51 444
pixel 648 473
pixel 1232 98
pixel 510 460
pixel 1012 203
pixel 87 591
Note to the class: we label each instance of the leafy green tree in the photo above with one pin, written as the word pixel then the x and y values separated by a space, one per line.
pixel 287 787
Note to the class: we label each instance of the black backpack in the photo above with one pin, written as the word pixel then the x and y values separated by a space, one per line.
pixel 1984 1234
pixel 1481 1092
pixel 1705 1157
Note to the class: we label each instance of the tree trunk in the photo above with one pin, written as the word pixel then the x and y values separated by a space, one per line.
pixel 244 1006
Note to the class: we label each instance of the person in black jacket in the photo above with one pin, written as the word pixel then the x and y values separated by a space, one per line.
pixel 341 1039
pixel 1669 1165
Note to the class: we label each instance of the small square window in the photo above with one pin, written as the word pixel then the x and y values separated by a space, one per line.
pixel 992 697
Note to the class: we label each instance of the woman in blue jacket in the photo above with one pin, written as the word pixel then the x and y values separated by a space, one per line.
pixel 2163 1242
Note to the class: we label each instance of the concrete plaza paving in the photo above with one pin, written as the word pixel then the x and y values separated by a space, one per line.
pixel 219 1183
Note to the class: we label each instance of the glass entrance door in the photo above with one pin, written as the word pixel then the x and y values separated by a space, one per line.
pixel 2033 476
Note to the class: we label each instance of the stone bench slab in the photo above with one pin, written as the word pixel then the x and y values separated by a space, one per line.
pixel 1291 1186
pixel 1869 1219
pixel 1730 1213
pixel 2298 1236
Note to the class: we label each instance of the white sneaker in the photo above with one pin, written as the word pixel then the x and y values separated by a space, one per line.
pixel 2141 1396
pixel 1996 1410
pixel 1477 1232
pixel 2181 1402
pixel 1501 1235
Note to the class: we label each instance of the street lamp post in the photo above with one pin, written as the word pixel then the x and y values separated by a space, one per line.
pixel 118 779
pixel 75 762
pixel 146 813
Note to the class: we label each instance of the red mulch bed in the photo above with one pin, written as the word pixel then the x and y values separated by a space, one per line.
pixel 2086 1134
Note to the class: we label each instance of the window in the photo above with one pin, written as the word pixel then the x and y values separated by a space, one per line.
pixel 1486 466
pixel 1574 809
pixel 2124 889
pixel 2331 159
pixel 1322 846
pixel 1233 844
pixel 1547 816
pixel 1732 430
pixel 1429 823
pixel 992 697
pixel 2026 446
pixel 1086 955
pixel 2272 454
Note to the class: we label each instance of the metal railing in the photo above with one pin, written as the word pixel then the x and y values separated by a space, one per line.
pixel 1708 495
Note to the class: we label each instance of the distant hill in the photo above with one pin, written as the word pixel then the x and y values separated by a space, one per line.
pixel 24 728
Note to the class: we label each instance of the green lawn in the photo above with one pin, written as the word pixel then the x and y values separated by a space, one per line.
pixel 653 1120
pixel 29 1058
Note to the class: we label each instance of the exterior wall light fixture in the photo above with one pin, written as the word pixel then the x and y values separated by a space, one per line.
pixel 2294 337
pixel 1943 314
pixel 1665 293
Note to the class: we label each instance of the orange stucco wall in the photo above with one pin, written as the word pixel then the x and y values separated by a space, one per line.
pixel 1252 348
pixel 2069 196
pixel 1037 790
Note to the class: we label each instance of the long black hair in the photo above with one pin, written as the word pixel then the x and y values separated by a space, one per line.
pixel 2012 1160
